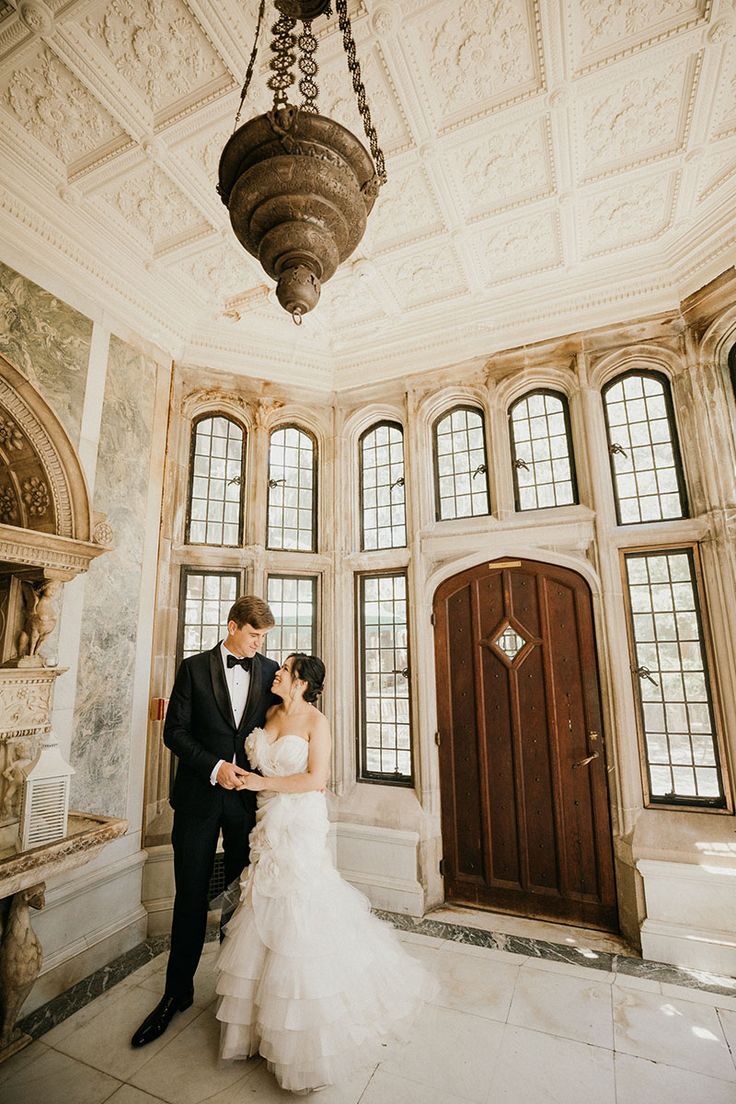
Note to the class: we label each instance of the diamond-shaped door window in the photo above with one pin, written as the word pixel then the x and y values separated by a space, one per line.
pixel 509 642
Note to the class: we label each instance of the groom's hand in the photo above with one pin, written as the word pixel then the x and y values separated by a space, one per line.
pixel 230 776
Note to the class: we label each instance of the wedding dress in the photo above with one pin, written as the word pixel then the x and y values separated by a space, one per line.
pixel 307 977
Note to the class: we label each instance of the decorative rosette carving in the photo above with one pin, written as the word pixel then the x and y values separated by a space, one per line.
pixel 10 436
pixel 8 505
pixel 102 533
pixel 36 496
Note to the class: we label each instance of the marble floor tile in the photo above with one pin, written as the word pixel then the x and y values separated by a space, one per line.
pixel 22 1058
pixel 103 1040
pixel 728 1024
pixel 489 954
pixel 452 1051
pixel 470 984
pixel 127 1094
pixel 676 1032
pixel 640 1081
pixel 52 1076
pixel 541 1069
pixel 260 1087
pixel 389 1088
pixel 188 1069
pixel 570 969
pixel 573 1007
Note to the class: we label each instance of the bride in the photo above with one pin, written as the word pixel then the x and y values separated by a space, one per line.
pixel 307 977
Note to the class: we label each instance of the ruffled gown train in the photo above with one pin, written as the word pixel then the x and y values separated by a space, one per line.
pixel 307 976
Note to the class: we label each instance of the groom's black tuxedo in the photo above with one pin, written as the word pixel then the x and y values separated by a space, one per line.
pixel 200 729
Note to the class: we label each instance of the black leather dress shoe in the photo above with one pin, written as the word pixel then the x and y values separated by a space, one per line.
pixel 157 1021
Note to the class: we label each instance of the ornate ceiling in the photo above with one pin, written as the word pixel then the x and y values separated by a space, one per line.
pixel 553 165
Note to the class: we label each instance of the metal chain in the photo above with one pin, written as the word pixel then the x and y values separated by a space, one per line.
pixel 283 50
pixel 359 89
pixel 308 64
pixel 251 64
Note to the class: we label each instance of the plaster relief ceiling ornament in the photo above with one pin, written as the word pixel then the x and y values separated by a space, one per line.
pixel 298 185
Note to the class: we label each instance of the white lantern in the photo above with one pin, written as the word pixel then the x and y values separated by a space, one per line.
pixel 45 807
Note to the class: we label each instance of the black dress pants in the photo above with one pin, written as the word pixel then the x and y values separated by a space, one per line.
pixel 194 840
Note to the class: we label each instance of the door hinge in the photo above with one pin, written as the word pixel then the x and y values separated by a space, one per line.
pixel 437 738
pixel 432 618
pixel 443 867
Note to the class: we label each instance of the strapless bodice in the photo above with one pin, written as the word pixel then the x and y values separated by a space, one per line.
pixel 289 754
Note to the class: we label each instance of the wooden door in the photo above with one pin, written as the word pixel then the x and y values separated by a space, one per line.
pixel 525 817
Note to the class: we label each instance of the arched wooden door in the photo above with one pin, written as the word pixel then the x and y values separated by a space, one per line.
pixel 525 818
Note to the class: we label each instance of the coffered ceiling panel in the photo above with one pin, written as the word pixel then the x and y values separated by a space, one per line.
pixel 53 106
pixel 600 31
pixel 630 214
pixel 571 161
pixel 472 57
pixel 159 48
pixel 641 117
pixel 519 245
pixel 511 165
pixel 153 208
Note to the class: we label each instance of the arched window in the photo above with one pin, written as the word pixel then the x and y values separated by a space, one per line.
pixel 383 509
pixel 292 490
pixel 460 468
pixel 541 451
pixel 646 468
pixel 216 478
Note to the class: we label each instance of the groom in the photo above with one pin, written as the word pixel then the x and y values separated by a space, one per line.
pixel 219 697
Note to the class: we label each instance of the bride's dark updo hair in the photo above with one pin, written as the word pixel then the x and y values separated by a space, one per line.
pixel 309 669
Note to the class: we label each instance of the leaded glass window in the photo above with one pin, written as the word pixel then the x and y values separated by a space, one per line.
pixel 385 746
pixel 215 514
pixel 293 601
pixel 383 505
pixel 292 490
pixel 671 673
pixel 204 602
pixel 647 471
pixel 461 472
pixel 541 451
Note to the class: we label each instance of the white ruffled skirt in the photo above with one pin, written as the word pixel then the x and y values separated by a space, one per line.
pixel 307 977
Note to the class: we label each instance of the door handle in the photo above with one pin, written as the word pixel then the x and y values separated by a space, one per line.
pixel 584 762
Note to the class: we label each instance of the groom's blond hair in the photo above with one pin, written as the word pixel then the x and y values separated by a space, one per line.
pixel 250 610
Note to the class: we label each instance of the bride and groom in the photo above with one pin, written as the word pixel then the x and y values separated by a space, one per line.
pixel 307 976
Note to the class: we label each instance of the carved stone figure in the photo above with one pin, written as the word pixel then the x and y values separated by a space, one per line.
pixel 41 615
pixel 20 959
pixel 14 776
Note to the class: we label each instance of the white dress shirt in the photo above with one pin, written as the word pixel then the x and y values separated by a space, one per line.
pixel 238 684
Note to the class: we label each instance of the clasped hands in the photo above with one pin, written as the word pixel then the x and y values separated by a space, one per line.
pixel 232 777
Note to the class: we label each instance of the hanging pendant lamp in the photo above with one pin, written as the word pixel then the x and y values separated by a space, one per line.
pixel 298 185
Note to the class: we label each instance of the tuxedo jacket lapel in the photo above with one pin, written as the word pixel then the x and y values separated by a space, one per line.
pixel 255 693
pixel 219 686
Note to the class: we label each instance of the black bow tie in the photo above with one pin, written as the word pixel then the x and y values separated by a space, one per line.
pixel 233 661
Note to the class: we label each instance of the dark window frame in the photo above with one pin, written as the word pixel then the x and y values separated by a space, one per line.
pixel 392 424
pixel 562 397
pixel 435 452
pixel 363 775
pixel 723 804
pixel 317 580
pixel 204 416
pixel 314 547
pixel 662 378
pixel 184 572
pixel 732 368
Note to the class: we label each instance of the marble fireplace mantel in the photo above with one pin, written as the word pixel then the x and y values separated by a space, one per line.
pixel 86 835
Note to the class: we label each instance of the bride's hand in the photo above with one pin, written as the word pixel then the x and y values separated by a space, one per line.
pixel 252 782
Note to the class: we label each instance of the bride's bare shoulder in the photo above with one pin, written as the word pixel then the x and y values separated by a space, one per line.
pixel 318 724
